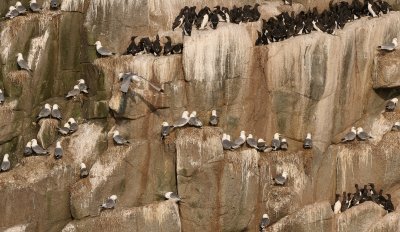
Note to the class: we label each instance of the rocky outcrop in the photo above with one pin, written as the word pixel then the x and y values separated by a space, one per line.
pixel 387 70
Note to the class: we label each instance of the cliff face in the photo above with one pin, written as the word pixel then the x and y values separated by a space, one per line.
pixel 315 83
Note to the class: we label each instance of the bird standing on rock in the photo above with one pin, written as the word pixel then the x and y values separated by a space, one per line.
pixel 102 51
pixel 350 136
pixel 239 141
pixel 214 118
pixel 12 13
pixel 391 104
pixel 55 112
pixel 338 205
pixel 1 97
pixel 38 149
pixel 181 122
pixel 73 125
pixel 118 139
pixel 22 63
pixel 20 8
pixel 65 129
pixel 308 142
pixel 45 112
pixel 28 149
pixel 390 46
pixel 58 151
pixel 194 120
pixel 226 142
pixel 172 196
pixel 5 165
pixel 165 129
pixel 110 203
pixel 276 142
pixel 83 171
pixel 264 222
pixel 281 178
pixel 362 135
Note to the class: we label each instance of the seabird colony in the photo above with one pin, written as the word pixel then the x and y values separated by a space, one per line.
pixel 367 193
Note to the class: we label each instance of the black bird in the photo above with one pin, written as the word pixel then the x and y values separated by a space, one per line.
pixel 156 46
pixel 202 18
pixel 388 204
pixel 214 20
pixel 221 15
pixel 187 28
pixel 54 5
pixel 133 48
pixel 180 18
pixel 177 48
pixel 255 14
pixel 344 202
pixel 147 44
pixel 381 199
pixel 168 46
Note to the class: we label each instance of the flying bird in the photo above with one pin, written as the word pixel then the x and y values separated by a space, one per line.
pixel 390 46
pixel 5 165
pixel 83 171
pixel 214 118
pixel 102 51
pixel 22 63
pixel 58 151
pixel 110 203
pixel 55 112
pixel 118 139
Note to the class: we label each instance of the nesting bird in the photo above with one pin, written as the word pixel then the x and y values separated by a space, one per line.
pixel 55 112
pixel 83 171
pixel 165 129
pixel 74 92
pixel 12 13
pixel 45 112
pixel 118 139
pixel 194 120
pixel 338 205
pixel 5 165
pixel 213 118
pixel 58 151
pixel 226 142
pixel 251 142
pixel 396 126
pixel 110 203
pixel 28 149
pixel 38 150
pixel 20 8
pixel 276 142
pixel 264 222
pixel 391 104
pixel 362 135
pixel 172 196
pixel 181 122
pixel 73 125
pixel 281 178
pixel 102 51
pixel 351 136
pixel 34 6
pixel 239 141
pixel 284 144
pixel 308 142
pixel 64 130
pixel 22 64
pixel 390 46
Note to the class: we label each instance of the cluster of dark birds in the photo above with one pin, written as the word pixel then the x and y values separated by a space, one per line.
pixel 187 17
pixel 146 46
pixel 19 9
pixel 285 26
pixel 362 195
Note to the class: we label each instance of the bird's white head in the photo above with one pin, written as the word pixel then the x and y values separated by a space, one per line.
pixel 265 215
pixel 185 114
pixel 228 137
pixel 193 114
pixel 115 133
pixel 395 100
pixel 394 41
pixel 214 113
pixel 168 195
pixel 285 174
pixel 55 107
pixel 249 136
pixel 261 141
pixel 5 157
pixel 397 123
pixel 58 145
pixel 11 8
pixel 83 165
pixel 353 129
pixel 29 144
pixel 47 106
pixel 71 120
pixel 76 87
pixel 113 197
pixel 81 81
pixel 98 43
pixel 243 134
pixel 276 136
pixel 164 124
pixel 223 136
pixel 17 4
pixel 1 91
pixel 34 142
pixel 120 75
pixel 284 140
pixel 67 125
pixel 19 55
pixel 308 136
pixel 32 1
pixel 359 130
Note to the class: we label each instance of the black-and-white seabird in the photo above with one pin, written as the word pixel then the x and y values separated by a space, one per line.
pixel 22 64
pixel 344 202
pixel 84 172
pixel 391 104
pixel 45 112
pixel 350 136
pixel 213 118
pixel 194 120
pixel 182 121
pixel 12 12
pixel 338 205
pixel 102 50
pixel 168 46
pixel 281 178
pixel 388 204
pixel 55 112
pixel 73 125
pixel 34 6
pixel 54 5
pixel 126 80
pixel 110 202
pixel 74 92
pixel 284 144
pixel 226 142
pixel 239 141
pixel 178 21
pixel 118 139
pixel 58 151
pixel 156 46
pixel 203 18
pixel 227 14
pixel 251 141
pixel 371 10
pixel 262 146
pixel 362 135
pixel 308 142
pixel 264 222
pixel 38 149
pixel 1 97
pixel 172 196
pixel 20 8
pixel 64 130
pixel 396 126
pixel 82 86
pixel 390 46
pixel 5 165
pixel 214 20
pixel 276 142
pixel 165 129
pixel 28 149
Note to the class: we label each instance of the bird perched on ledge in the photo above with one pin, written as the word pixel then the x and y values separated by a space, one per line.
pixel 389 47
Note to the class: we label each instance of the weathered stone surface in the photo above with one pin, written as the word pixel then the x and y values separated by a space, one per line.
pixel 389 223
pixel 387 70
pixel 48 134
pixel 163 216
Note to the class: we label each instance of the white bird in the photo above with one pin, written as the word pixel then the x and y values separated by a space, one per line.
pixel 214 118
pixel 362 135
pixel 28 149
pixel 55 112
pixel 172 196
pixel 20 8
pixel 276 142
pixel 251 142
pixel 183 120
pixel 74 92
pixel 390 46
pixel 284 144
pixel 82 86
pixel 226 142
pixel 83 171
pixel 350 136
pixel 391 104
pixel 165 129
pixel 38 149
pixel 45 112
pixel 12 12
pixel 118 139
pixel 264 222
pixel 34 6
pixel 110 202
pixel 73 125
pixel 58 151
pixel 239 141
pixel 371 11
pixel 5 165
pixel 281 179
pixel 194 120
pixel 22 63
pixel 308 142
pixel 102 50
pixel 338 205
